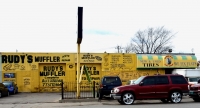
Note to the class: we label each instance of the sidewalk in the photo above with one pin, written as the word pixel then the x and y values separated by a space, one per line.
pixel 79 100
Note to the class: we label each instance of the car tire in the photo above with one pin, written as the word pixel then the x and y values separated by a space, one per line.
pixel 175 97
pixel 127 98
pixel 165 100
pixel 0 94
pixel 196 99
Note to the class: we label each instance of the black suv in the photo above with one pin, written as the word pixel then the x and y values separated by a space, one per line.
pixel 107 83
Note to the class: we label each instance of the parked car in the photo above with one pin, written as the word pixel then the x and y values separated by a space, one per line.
pixel 166 88
pixel 194 92
pixel 129 82
pixel 12 87
pixel 3 90
pixel 107 84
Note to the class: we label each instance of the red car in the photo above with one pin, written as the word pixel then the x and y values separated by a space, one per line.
pixel 195 92
pixel 163 87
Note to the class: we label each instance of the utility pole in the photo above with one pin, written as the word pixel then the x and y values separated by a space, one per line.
pixel 118 48
pixel 79 39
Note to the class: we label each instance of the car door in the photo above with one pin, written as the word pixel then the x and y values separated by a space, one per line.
pixel 162 86
pixel 146 88
pixel 3 89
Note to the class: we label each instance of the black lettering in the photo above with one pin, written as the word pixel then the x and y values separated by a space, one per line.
pixel 51 84
pixel 4 59
pixel 157 64
pixel 22 58
pixel 16 59
pixel 43 58
pixel 52 73
pixel 37 59
pixel 61 68
pixel 10 58
pixel 56 68
pixel 44 68
pixel 150 64
pixel 63 73
pixel 47 59
pixel 59 73
pixel 30 59
pixel 44 74
pixel 58 59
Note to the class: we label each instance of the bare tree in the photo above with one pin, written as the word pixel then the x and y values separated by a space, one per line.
pixel 128 48
pixel 152 40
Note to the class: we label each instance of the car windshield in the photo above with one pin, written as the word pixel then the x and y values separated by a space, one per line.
pixel 193 79
pixel 139 80
pixel 7 84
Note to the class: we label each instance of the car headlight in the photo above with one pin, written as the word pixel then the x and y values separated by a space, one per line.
pixel 116 90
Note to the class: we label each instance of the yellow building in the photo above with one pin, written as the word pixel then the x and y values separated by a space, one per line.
pixel 43 72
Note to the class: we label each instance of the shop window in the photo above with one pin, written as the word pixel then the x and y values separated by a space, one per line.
pixel 9 75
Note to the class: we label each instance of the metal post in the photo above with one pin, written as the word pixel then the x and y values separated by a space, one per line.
pixel 94 89
pixel 62 90
pixel 78 71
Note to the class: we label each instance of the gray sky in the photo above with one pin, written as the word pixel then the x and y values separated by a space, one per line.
pixel 51 25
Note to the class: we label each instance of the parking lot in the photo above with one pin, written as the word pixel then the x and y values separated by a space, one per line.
pixel 24 98
pixel 51 100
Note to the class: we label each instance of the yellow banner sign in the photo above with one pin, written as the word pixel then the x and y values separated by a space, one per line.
pixel 171 62
pixel 149 63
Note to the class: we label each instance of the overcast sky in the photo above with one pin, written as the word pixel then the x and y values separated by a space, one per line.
pixel 51 25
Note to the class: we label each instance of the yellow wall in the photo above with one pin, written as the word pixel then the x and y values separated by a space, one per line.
pixel 43 72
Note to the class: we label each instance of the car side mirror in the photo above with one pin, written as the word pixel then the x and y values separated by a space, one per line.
pixel 141 83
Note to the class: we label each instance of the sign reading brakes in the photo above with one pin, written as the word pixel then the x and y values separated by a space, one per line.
pixel 28 59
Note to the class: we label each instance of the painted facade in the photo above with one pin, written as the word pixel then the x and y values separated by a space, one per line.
pixel 43 72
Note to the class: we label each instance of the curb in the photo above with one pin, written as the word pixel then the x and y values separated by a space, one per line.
pixel 79 100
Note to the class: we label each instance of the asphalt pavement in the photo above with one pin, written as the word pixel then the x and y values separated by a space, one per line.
pixel 23 98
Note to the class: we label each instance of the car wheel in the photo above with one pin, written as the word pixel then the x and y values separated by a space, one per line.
pixel 119 100
pixel 127 98
pixel 0 94
pixel 196 99
pixel 165 100
pixel 176 97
